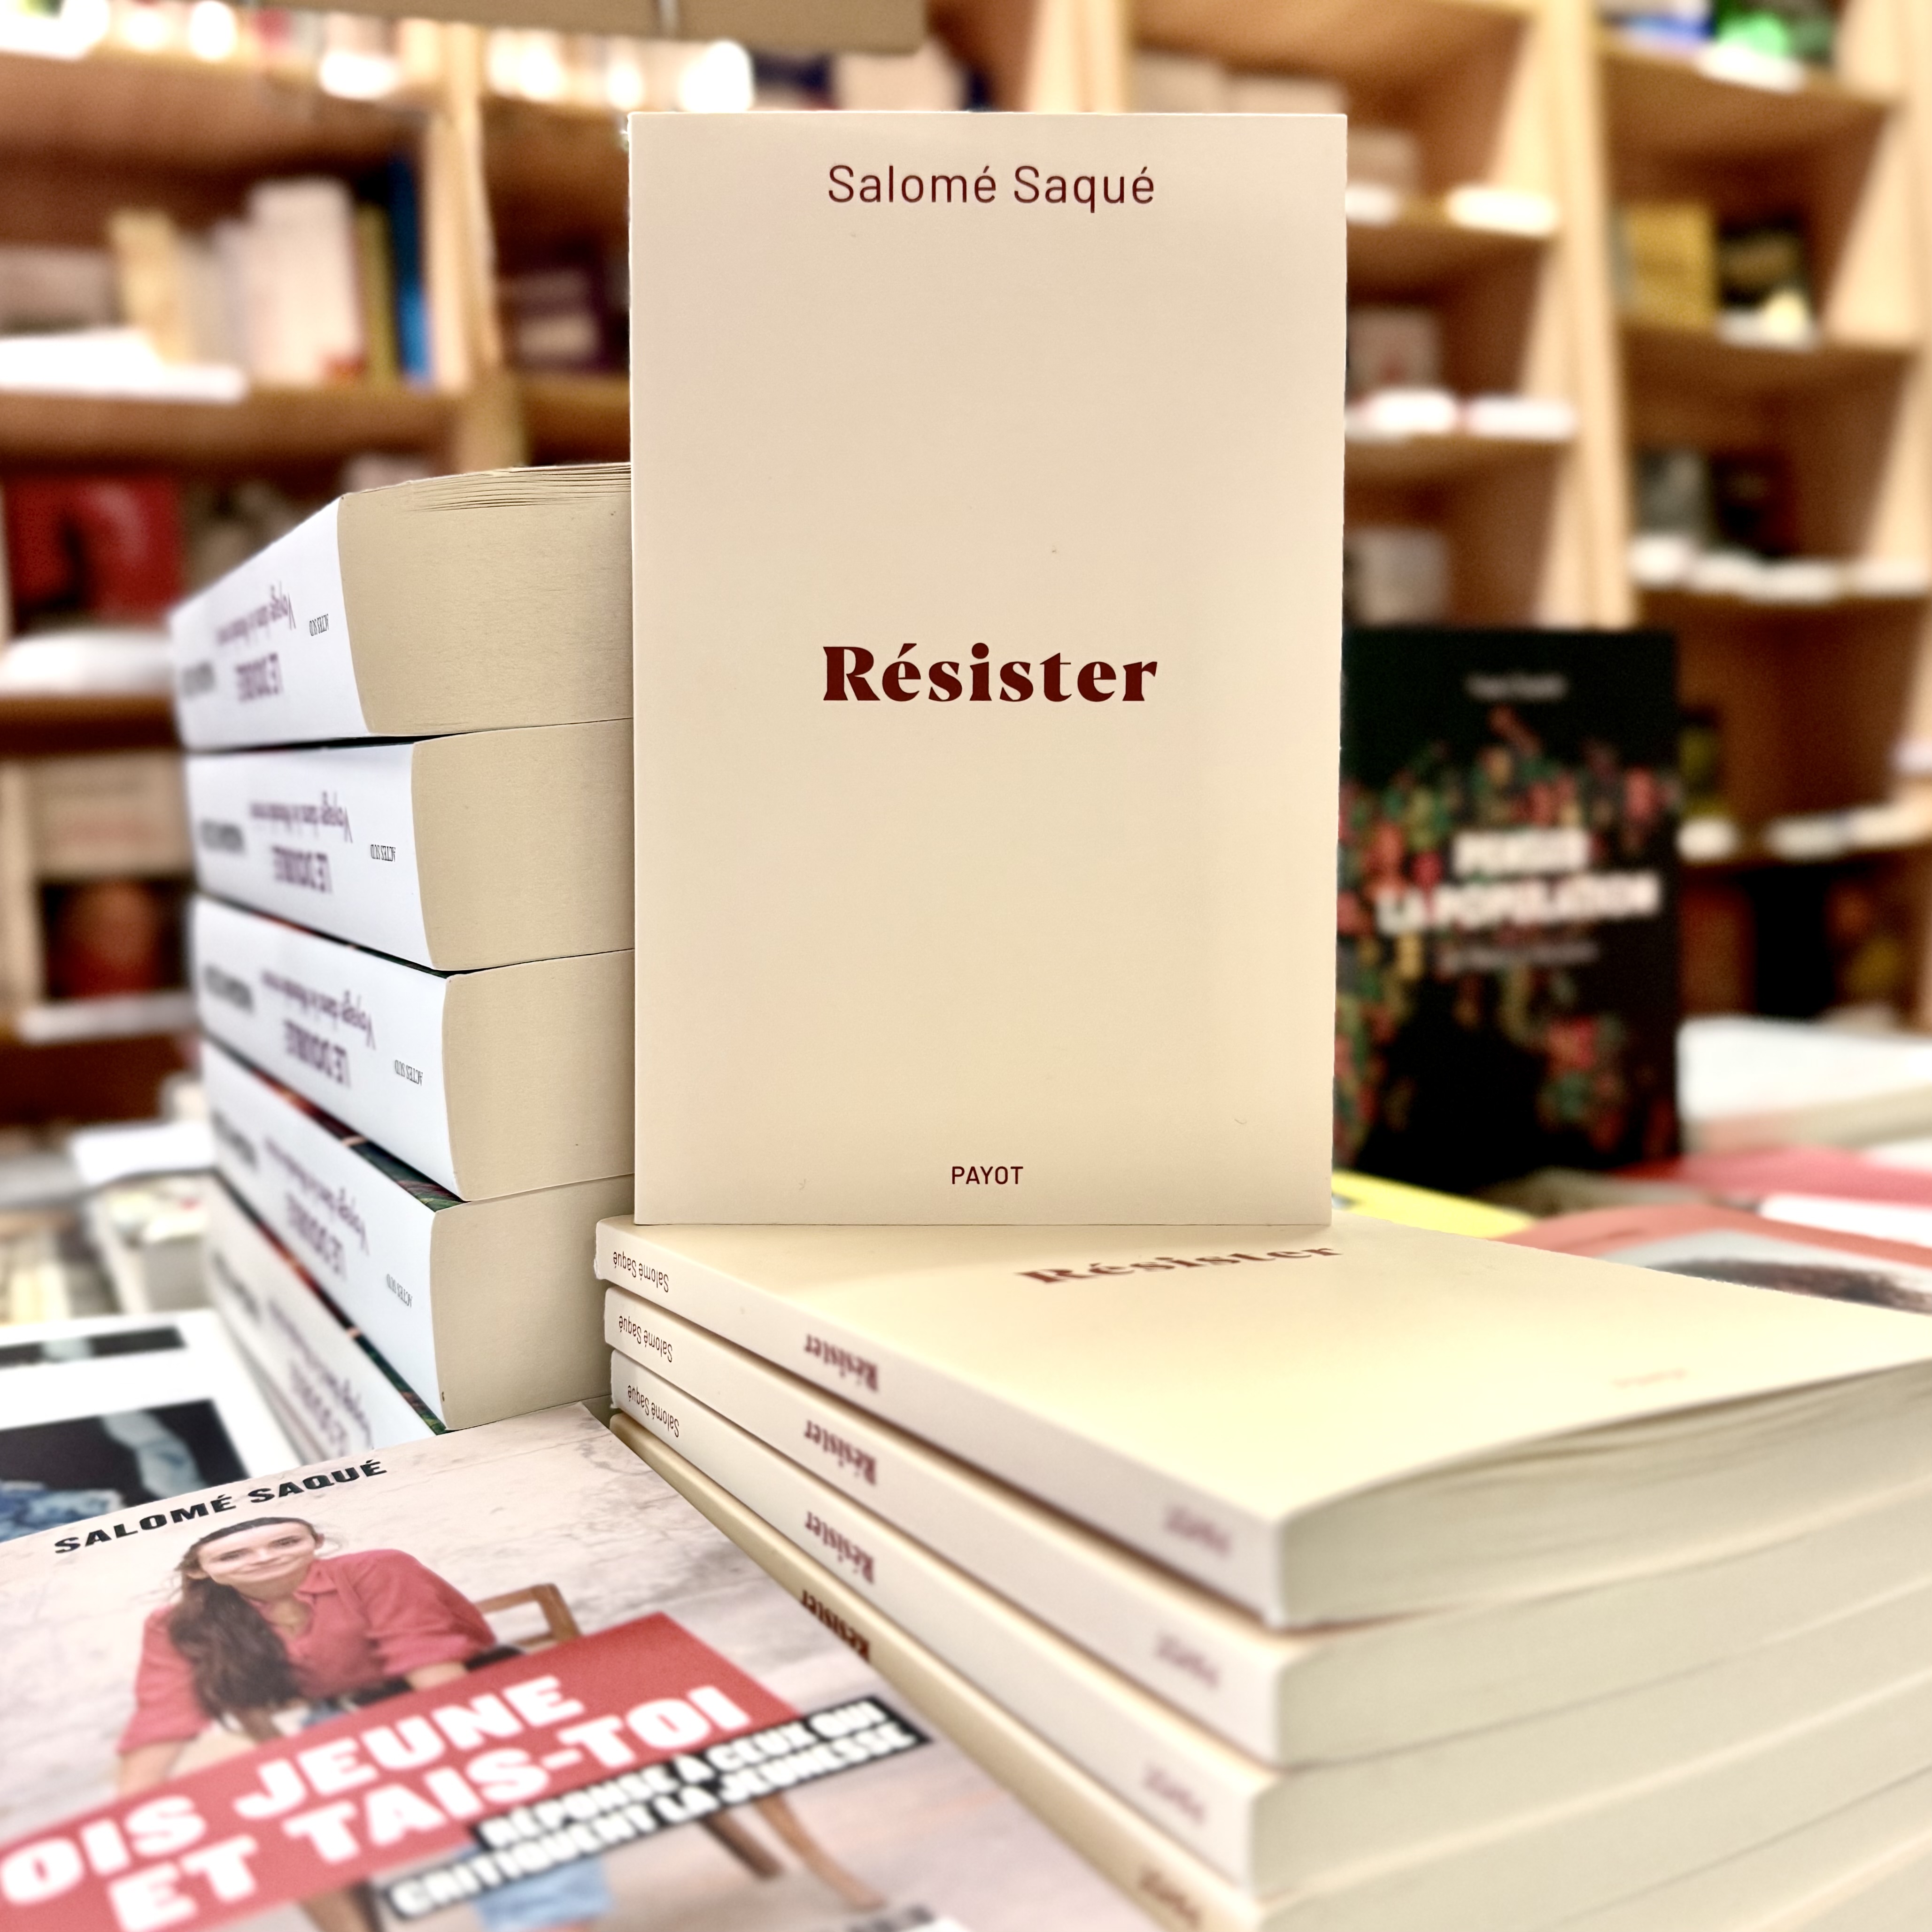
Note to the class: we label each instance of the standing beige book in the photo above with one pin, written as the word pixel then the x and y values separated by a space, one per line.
pixel 988 609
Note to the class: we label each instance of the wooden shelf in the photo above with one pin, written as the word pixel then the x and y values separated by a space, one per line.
pixel 1752 857
pixel 178 115
pixel 1423 253
pixel 554 173
pixel 30 726
pixel 576 418
pixel 1679 610
pixel 1423 462
pixel 1666 104
pixel 267 427
pixel 1382 46
pixel 1702 360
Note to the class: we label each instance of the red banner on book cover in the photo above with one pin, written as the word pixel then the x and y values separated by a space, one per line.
pixel 382 1788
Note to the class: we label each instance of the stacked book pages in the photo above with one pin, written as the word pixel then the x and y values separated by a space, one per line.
pixel 1347 1580
pixel 410 798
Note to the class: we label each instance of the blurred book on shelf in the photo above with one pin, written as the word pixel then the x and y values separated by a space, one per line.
pixel 317 280
pixel 100 547
pixel 1394 346
pixel 1794 31
pixel 1764 282
pixel 567 316
pixel 1394 574
pixel 50 288
pixel 1664 257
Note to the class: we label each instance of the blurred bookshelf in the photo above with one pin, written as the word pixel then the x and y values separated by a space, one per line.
pixel 1505 157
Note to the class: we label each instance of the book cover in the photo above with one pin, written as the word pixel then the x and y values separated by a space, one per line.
pixel 1773 1248
pixel 509 1671
pixel 982 828
pixel 115 1412
pixel 1506 935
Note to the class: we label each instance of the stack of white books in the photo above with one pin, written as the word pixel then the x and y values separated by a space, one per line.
pixel 980 1282
pixel 410 798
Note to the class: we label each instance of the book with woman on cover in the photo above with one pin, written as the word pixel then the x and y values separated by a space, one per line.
pixel 506 1677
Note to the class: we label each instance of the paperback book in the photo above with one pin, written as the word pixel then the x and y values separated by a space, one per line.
pixel 1266 1410
pixel 492 1082
pixel 483 1308
pixel 985 830
pixel 485 849
pixel 108 1412
pixel 334 1395
pixel 1506 951
pixel 1287 1698
pixel 1320 1822
pixel 1577 1872
pixel 509 1670
pixel 462 603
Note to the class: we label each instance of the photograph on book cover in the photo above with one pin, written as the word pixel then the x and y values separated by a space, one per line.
pixel 507 1678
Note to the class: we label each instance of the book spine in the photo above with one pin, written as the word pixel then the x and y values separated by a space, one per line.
pixel 360 1036
pixel 263 657
pixel 365 1236
pixel 1176 1890
pixel 326 838
pixel 1143 1624
pixel 412 332
pixel 1205 1795
pixel 1232 1552
pixel 330 1388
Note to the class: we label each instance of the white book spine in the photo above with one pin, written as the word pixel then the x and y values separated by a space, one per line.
pixel 330 1389
pixel 1145 1627
pixel 1231 1550
pixel 359 1035
pixel 326 838
pixel 367 1237
pixel 262 656
pixel 1205 1795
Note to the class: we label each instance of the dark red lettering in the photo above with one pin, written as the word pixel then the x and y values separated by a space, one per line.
pixel 838 674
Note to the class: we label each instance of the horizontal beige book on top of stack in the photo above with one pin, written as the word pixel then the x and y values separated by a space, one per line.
pixel 463 603
pixel 1330 1424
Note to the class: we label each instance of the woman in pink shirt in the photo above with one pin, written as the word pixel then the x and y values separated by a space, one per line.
pixel 264 1620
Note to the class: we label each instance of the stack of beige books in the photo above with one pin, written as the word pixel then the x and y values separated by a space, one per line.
pixel 980 1281
pixel 409 787
pixel 1356 1577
